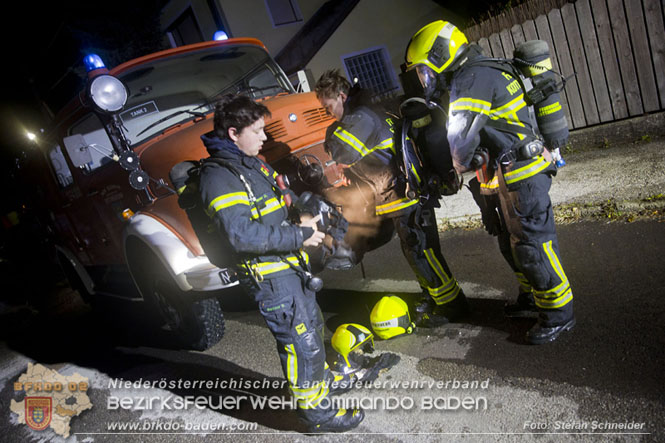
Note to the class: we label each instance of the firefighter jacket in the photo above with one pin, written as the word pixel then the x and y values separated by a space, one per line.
pixel 363 140
pixel 488 109
pixel 254 220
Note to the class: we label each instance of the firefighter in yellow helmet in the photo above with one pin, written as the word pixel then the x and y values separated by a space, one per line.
pixel 489 125
pixel 362 139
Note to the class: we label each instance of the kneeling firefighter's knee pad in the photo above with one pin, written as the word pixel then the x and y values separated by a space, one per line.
pixel 531 262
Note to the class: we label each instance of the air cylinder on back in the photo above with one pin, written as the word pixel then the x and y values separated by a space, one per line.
pixel 533 58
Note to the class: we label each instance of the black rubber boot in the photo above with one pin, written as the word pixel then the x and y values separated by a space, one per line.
pixel 524 307
pixel 543 334
pixel 439 315
pixel 344 420
pixel 455 310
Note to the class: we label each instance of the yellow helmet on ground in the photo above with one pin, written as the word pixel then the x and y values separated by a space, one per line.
pixel 390 317
pixel 348 338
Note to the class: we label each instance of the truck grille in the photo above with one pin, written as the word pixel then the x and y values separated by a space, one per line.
pixel 316 116
pixel 275 130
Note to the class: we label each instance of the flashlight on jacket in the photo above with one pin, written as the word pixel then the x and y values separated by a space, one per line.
pixel 283 184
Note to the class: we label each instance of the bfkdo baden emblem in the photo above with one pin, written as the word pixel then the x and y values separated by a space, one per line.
pixel 38 412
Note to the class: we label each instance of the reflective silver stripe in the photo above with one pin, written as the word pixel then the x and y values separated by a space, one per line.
pixel 527 171
pixel 352 141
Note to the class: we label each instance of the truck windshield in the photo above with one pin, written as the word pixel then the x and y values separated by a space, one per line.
pixel 169 91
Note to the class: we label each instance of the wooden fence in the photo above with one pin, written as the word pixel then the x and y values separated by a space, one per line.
pixel 616 48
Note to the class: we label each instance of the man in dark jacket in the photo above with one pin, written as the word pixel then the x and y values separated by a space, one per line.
pixel 362 139
pixel 248 209
pixel 489 122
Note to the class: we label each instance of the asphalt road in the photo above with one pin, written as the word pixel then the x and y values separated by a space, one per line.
pixel 606 373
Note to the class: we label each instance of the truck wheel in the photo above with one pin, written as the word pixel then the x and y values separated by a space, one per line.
pixel 186 321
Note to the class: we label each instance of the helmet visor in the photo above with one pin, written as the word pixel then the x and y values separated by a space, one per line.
pixel 427 79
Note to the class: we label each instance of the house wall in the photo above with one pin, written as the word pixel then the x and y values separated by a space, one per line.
pixel 245 18
pixel 375 23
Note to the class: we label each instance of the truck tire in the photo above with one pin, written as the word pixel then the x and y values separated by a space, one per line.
pixel 185 320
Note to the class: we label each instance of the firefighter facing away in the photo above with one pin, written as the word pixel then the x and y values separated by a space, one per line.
pixel 248 208
pixel 489 122
pixel 362 139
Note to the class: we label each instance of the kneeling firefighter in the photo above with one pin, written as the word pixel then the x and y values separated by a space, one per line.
pixel 248 209
pixel 490 125
pixel 363 139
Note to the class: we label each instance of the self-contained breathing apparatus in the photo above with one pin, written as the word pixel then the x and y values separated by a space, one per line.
pixel 185 176
pixel 421 131
pixel 531 66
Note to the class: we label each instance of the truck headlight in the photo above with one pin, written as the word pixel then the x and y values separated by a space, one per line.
pixel 107 93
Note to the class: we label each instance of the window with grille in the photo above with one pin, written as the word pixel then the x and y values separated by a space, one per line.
pixel 373 71
pixel 283 12
pixel 185 30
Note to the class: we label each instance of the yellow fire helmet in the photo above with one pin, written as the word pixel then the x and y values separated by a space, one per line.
pixel 351 336
pixel 390 317
pixel 436 46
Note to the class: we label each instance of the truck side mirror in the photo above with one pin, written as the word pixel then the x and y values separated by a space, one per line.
pixel 78 150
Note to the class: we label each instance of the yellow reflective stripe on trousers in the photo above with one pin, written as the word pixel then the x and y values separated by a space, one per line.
pixel 470 104
pixel 395 206
pixel 525 286
pixel 449 289
pixel 291 365
pixel 226 200
pixel 310 398
pixel 561 294
pixel 527 171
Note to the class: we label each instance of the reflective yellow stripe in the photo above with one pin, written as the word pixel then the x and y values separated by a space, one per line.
pixel 549 109
pixel 525 286
pixel 450 288
pixel 226 200
pixel 561 294
pixel 508 112
pixel 413 168
pixel 352 141
pixel 387 143
pixel 539 68
pixel 181 189
pixel 527 171
pixel 265 268
pixel 471 104
pixel 291 365
pixel 395 206
pixel 272 205
pixel 492 184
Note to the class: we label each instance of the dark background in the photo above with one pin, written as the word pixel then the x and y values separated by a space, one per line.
pixel 45 43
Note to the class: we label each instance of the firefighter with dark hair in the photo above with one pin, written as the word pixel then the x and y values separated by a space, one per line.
pixel 362 140
pixel 247 207
pixel 489 125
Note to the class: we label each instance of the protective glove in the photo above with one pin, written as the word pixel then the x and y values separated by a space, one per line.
pixel 488 213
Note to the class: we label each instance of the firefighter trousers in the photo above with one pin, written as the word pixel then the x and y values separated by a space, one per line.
pixel 293 316
pixel 419 239
pixel 529 243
